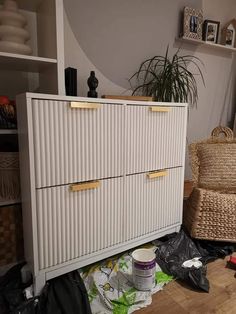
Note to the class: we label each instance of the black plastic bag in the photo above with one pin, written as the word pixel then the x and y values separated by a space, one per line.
pixel 211 250
pixel 11 289
pixel 28 307
pixel 171 254
pixel 64 295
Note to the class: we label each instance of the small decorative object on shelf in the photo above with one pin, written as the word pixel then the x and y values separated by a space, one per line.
pixel 92 84
pixel 211 31
pixel 228 34
pixel 8 118
pixel 126 97
pixel 13 36
pixel 71 81
pixel 192 24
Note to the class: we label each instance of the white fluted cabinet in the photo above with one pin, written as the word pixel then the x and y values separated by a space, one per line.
pixel 98 177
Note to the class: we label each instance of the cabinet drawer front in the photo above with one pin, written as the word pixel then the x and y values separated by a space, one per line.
pixel 152 202
pixel 73 223
pixel 155 138
pixel 75 143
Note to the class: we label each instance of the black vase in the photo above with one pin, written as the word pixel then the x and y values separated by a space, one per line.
pixel 92 84
pixel 71 81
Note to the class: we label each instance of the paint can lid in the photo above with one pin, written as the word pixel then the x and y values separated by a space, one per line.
pixel 143 255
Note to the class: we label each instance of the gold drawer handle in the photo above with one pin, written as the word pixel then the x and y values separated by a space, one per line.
pixel 84 105
pixel 159 109
pixel 156 174
pixel 84 186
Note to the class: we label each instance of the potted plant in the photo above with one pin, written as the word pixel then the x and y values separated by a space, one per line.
pixel 168 79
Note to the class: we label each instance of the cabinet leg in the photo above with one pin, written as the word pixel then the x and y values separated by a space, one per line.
pixel 39 283
pixel 177 229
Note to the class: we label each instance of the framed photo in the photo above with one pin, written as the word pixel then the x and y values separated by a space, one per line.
pixel 192 25
pixel 211 31
pixel 228 36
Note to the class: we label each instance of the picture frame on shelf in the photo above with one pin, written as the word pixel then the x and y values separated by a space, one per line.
pixel 228 36
pixel 192 23
pixel 211 31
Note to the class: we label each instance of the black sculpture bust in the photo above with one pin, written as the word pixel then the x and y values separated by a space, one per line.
pixel 92 84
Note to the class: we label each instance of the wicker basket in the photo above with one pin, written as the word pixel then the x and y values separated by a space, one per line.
pixel 211 215
pixel 9 176
pixel 210 211
pixel 213 161
pixel 11 235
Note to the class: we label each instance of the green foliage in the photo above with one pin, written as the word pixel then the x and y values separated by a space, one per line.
pixel 168 79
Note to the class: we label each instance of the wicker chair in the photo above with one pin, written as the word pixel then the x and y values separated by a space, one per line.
pixel 210 211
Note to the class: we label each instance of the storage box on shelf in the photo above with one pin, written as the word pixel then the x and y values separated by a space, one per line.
pixel 45 25
pixel 10 178
pixel 11 235
pixel 9 159
pixel 100 176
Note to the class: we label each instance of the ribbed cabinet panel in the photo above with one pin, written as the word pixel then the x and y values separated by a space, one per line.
pixel 73 145
pixel 74 224
pixel 152 204
pixel 154 139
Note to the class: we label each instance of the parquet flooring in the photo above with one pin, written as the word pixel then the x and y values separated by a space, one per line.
pixel 177 298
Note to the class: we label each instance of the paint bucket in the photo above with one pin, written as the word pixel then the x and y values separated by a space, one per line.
pixel 143 268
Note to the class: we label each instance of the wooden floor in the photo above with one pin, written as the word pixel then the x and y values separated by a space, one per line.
pixel 179 299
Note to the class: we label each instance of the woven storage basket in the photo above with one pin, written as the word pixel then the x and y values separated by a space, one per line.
pixel 210 211
pixel 11 235
pixel 213 161
pixel 9 176
pixel 211 215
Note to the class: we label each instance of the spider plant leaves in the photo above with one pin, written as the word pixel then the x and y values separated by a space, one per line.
pixel 168 79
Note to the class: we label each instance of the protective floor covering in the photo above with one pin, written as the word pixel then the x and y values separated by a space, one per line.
pixel 110 286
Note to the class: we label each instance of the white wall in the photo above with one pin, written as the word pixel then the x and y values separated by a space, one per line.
pixel 219 10
pixel 117 36
pixel 75 57
pixel 113 37
pixel 216 104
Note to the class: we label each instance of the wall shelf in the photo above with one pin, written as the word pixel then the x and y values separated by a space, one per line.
pixel 27 5
pixel 9 202
pixel 8 131
pixel 17 62
pixel 205 44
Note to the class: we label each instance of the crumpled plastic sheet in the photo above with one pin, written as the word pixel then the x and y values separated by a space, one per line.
pixel 110 286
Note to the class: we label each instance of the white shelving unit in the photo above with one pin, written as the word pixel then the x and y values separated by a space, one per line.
pixel 15 62
pixel 8 131
pixel 43 71
pixel 205 44
pixel 45 25
pixel 10 202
